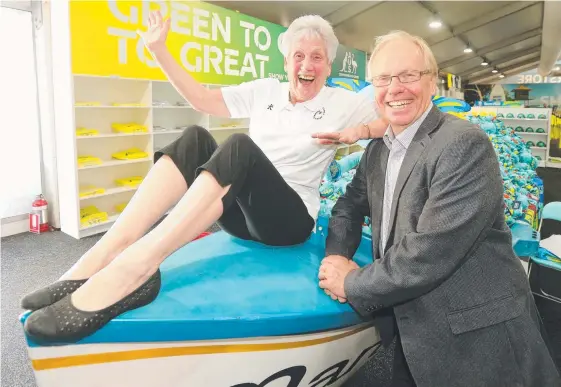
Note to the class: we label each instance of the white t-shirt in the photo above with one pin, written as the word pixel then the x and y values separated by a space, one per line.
pixel 283 131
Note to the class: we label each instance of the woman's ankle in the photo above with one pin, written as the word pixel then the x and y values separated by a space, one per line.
pixel 95 259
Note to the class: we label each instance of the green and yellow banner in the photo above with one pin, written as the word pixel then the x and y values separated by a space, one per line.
pixel 216 45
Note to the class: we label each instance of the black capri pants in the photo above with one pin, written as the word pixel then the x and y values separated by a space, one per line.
pixel 259 205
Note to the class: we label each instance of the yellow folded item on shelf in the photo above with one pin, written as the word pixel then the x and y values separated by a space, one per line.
pixel 91 103
pixel 89 210
pixel 129 128
pixel 92 215
pixel 133 104
pixel 86 132
pixel 121 207
pixel 130 154
pixel 132 181
pixel 90 190
pixel 86 161
pixel 231 124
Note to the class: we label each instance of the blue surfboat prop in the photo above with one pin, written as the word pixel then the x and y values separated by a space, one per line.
pixel 229 312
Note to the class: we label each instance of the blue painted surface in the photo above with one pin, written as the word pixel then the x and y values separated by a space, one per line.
pixel 221 287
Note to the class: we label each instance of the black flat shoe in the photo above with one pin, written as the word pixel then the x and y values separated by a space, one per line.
pixel 50 294
pixel 62 322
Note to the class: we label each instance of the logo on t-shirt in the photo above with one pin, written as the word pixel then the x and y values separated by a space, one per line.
pixel 270 107
pixel 319 114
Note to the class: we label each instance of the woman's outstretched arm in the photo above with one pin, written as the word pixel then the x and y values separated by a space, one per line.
pixel 206 100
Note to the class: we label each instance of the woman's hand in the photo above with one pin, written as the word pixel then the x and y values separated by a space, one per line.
pixel 373 129
pixel 347 136
pixel 155 37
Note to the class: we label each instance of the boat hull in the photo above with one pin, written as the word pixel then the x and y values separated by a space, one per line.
pixel 319 359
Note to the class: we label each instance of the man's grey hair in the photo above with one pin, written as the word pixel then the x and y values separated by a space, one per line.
pixel 381 41
pixel 309 26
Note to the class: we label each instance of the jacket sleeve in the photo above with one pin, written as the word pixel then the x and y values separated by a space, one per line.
pixel 347 216
pixel 464 199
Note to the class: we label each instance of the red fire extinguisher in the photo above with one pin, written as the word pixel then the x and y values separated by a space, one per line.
pixel 38 217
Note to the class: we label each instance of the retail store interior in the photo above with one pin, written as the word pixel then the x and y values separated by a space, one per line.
pixel 85 108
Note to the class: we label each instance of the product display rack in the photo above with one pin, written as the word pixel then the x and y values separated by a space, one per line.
pixel 98 104
pixel 529 127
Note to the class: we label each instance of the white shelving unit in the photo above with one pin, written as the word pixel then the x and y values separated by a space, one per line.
pixel 527 124
pixel 100 102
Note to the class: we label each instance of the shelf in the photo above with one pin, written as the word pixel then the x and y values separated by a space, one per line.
pixel 532 134
pixel 111 107
pixel 111 219
pixel 172 107
pixel 113 135
pixel 553 164
pixel 110 191
pixel 538 148
pixel 541 163
pixel 113 163
pixel 216 128
pixel 522 119
pixel 169 131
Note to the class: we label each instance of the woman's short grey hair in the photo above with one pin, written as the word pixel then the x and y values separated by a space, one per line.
pixel 309 26
pixel 381 41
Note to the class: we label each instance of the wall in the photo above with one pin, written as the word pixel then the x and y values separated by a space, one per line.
pixel 20 152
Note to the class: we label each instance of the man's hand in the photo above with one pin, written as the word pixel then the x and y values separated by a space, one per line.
pixel 332 273
pixel 335 298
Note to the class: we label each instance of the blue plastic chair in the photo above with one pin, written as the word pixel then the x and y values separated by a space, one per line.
pixel 545 275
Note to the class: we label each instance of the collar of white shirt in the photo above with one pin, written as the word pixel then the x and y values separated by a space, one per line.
pixel 312 105
pixel 406 136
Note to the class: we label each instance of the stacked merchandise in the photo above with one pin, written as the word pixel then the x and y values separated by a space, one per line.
pixel 523 189
pixel 334 184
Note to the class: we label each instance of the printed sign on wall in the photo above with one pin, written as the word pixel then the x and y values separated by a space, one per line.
pixel 349 63
pixel 215 45
pixel 539 95
pixel 532 76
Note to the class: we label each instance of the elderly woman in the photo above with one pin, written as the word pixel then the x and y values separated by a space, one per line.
pixel 262 187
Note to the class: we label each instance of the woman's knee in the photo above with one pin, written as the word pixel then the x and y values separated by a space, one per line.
pixel 196 132
pixel 197 137
pixel 239 140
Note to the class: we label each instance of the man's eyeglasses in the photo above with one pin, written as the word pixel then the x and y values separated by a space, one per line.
pixel 404 77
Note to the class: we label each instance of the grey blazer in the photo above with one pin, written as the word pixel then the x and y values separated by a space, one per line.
pixel 460 296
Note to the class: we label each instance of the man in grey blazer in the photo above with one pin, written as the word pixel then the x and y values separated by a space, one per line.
pixel 445 281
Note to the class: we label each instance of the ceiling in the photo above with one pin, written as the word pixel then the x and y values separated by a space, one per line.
pixel 509 35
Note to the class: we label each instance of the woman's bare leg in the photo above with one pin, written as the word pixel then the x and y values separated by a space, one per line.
pixel 199 208
pixel 161 189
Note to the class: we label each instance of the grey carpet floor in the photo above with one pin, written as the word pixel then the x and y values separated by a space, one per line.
pixel 29 261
